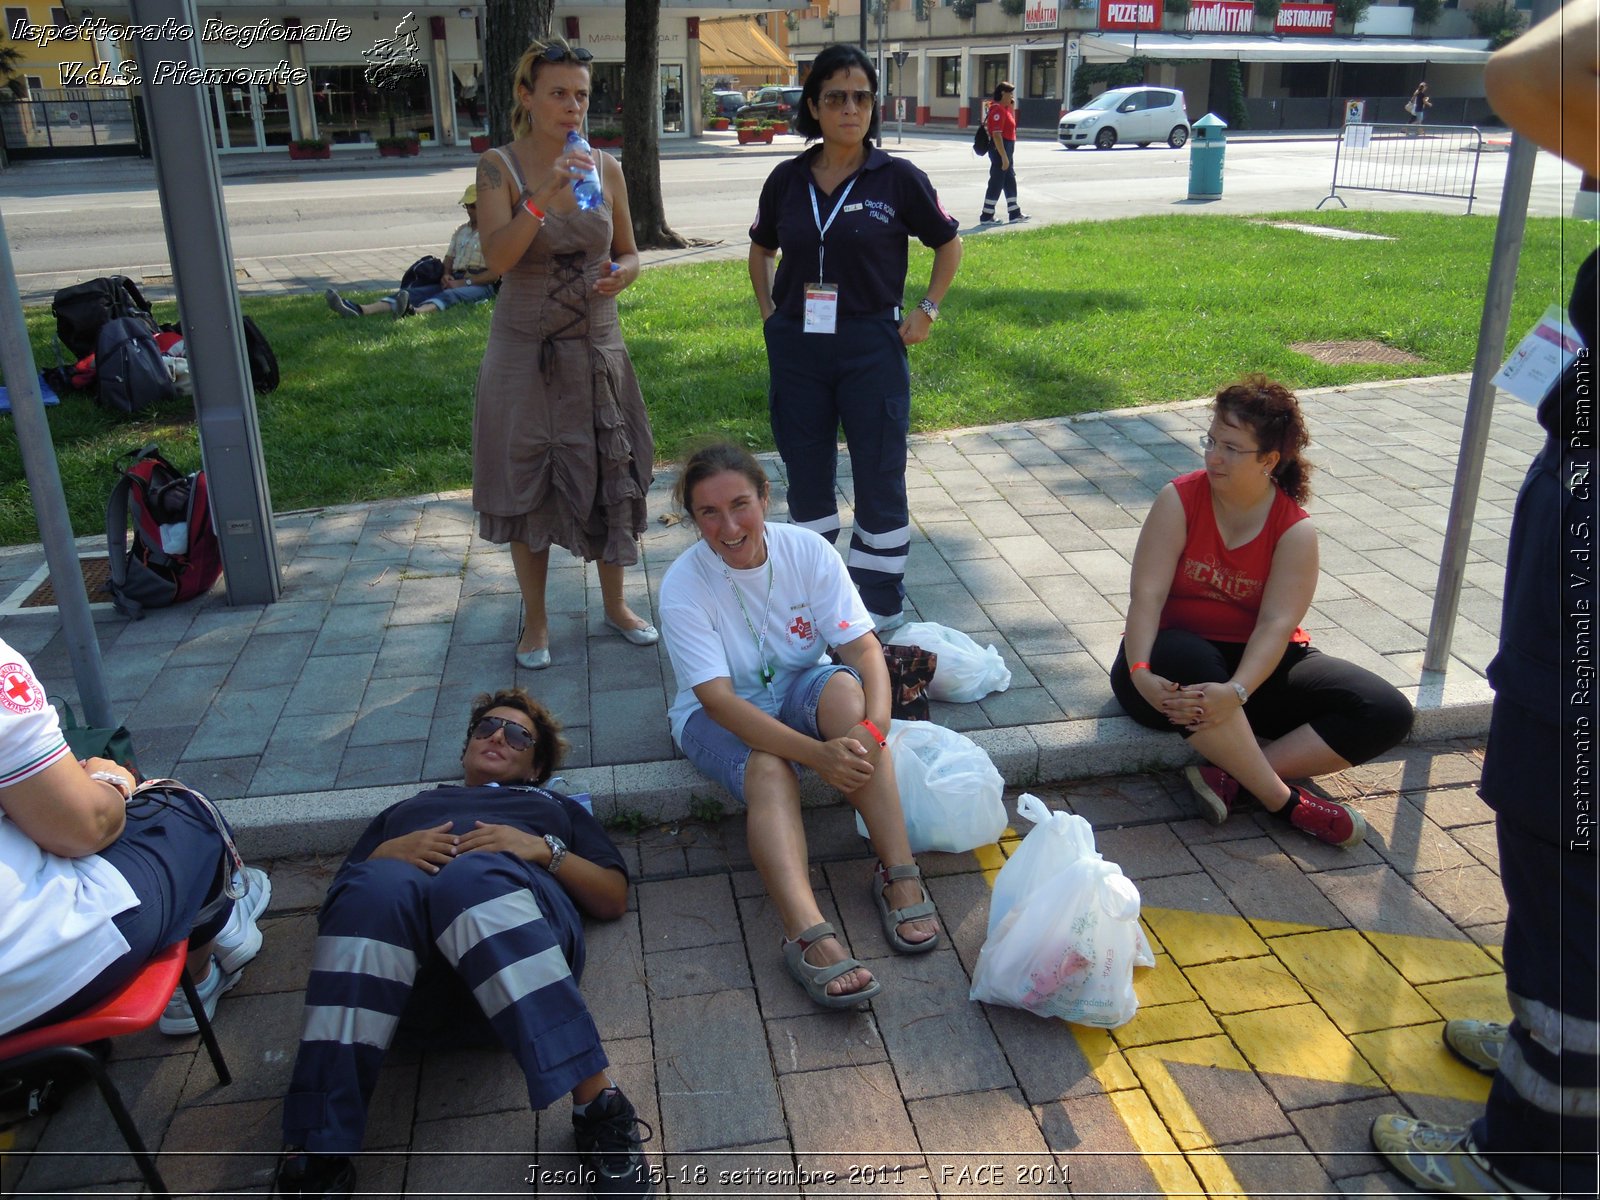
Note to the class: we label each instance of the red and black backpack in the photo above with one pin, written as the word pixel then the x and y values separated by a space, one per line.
pixel 175 554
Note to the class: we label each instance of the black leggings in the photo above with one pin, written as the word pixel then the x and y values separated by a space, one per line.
pixel 1358 714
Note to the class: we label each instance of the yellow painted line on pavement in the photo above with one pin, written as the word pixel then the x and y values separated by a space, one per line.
pixel 1333 1005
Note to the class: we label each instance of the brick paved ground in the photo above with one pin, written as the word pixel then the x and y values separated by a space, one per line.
pixel 1299 991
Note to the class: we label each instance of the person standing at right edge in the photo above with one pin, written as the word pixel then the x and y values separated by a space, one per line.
pixel 1001 122
pixel 1538 1132
pixel 842 214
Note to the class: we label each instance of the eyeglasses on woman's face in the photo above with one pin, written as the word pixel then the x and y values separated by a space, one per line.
pixel 559 53
pixel 1209 443
pixel 518 737
pixel 838 98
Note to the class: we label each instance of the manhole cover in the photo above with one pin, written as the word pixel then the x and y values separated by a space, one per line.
pixel 96 571
pixel 1340 354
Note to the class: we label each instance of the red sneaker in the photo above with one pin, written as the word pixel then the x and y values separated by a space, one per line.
pixel 1215 789
pixel 1327 821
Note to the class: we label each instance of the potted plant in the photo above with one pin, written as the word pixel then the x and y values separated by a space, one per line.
pixel 400 146
pixel 310 148
pixel 757 131
pixel 480 142
pixel 605 137
pixel 717 123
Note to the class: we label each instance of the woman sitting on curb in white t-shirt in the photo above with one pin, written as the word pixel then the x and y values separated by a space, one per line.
pixel 93 885
pixel 748 613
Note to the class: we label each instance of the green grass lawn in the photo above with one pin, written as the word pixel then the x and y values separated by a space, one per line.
pixel 1044 323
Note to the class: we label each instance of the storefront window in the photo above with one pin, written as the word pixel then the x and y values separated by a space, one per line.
pixel 991 73
pixel 349 109
pixel 605 95
pixel 949 76
pixel 466 80
pixel 1042 74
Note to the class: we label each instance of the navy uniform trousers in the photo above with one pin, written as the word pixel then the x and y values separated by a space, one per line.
pixel 860 378
pixel 1540 1124
pixel 480 916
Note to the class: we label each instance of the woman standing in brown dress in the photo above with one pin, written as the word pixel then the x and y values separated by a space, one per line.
pixel 561 446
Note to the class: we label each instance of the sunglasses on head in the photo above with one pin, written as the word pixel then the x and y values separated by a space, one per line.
pixel 562 53
pixel 518 737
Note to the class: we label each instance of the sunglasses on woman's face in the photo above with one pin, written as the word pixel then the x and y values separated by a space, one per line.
pixel 562 53
pixel 836 99
pixel 518 737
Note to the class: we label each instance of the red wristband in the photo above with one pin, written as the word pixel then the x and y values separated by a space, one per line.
pixel 533 209
pixel 874 731
pixel 1138 666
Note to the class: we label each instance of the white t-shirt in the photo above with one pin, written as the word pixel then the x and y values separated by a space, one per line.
pixel 56 932
pixel 814 606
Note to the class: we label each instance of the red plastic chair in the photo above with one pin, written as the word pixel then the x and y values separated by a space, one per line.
pixel 137 1006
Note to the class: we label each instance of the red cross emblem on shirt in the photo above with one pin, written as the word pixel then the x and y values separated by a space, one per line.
pixel 18 691
pixel 801 629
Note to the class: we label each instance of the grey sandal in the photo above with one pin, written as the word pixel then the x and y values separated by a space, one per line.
pixel 816 979
pixel 893 918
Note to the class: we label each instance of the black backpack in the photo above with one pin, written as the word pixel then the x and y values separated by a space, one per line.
pixel 426 270
pixel 128 367
pixel 84 308
pixel 980 141
pixel 263 362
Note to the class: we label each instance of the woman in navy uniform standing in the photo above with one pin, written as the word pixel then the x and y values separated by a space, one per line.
pixel 842 215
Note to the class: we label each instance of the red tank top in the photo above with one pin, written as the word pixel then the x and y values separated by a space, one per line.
pixel 1216 592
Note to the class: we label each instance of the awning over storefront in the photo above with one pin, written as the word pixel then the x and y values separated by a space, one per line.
pixel 737 44
pixel 1114 47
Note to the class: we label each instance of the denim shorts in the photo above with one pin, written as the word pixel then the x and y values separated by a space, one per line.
pixel 718 753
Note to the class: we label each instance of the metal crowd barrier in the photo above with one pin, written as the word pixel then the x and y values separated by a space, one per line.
pixel 1417 160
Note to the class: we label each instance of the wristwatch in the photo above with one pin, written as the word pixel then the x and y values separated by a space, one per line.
pixel 558 852
pixel 116 781
pixel 929 307
pixel 1244 696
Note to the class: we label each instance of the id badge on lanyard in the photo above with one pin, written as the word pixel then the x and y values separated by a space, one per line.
pixel 822 299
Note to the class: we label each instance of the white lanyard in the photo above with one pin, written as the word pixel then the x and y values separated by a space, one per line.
pixel 822 230
pixel 760 639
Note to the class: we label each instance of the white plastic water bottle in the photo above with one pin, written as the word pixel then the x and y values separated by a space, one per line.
pixel 586 186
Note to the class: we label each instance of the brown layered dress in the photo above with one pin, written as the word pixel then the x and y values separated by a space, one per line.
pixel 561 448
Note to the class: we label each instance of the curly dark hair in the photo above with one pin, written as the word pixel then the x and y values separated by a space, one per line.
pixel 1272 413
pixel 549 747
pixel 840 56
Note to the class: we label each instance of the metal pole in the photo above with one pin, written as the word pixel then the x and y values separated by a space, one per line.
pixel 1480 396
pixel 49 502
pixel 208 303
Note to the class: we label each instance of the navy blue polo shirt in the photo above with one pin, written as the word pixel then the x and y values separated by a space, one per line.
pixel 891 202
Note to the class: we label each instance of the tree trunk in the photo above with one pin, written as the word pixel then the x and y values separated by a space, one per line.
pixel 509 26
pixel 641 162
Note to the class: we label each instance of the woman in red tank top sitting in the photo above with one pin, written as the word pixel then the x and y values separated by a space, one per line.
pixel 1224 571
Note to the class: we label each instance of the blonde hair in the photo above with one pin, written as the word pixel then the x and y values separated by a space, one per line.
pixel 527 73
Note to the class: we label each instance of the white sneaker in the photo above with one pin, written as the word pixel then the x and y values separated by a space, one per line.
pixel 240 940
pixel 178 1019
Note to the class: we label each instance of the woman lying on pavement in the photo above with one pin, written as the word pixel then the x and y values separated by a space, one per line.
pixel 748 613
pixel 95 880
pixel 480 885
pixel 1223 574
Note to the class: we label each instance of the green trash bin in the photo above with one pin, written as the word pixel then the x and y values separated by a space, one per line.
pixel 1208 141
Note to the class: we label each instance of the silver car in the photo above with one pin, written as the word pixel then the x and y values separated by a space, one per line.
pixel 1141 115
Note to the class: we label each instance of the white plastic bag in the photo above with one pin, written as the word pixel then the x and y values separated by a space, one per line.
pixel 965 671
pixel 1064 931
pixel 949 789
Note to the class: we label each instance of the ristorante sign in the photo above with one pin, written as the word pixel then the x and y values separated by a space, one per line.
pixel 1130 14
pixel 1221 16
pixel 1315 20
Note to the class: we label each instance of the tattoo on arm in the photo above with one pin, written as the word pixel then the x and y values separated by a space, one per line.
pixel 491 175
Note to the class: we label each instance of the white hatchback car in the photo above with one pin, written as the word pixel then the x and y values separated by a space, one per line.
pixel 1129 114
